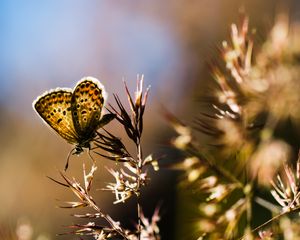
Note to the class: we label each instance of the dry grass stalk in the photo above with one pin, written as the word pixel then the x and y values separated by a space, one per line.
pixel 257 89
pixel 129 177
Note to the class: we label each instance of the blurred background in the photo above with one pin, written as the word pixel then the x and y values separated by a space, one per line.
pixel 49 44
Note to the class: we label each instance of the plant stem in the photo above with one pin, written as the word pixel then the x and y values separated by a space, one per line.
pixel 139 217
pixel 248 194
pixel 108 219
pixel 273 219
pixel 139 170
pixel 216 168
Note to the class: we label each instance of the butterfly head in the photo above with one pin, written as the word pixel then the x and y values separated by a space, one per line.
pixel 81 145
pixel 78 150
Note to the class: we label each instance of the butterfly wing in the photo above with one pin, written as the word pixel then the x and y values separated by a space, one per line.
pixel 88 100
pixel 54 107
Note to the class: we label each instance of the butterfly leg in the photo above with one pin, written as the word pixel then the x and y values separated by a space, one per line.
pixel 68 158
pixel 89 153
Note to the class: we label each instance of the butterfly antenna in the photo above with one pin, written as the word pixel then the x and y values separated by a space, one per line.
pixel 68 158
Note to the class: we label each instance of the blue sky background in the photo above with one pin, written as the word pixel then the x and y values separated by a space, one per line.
pixel 48 44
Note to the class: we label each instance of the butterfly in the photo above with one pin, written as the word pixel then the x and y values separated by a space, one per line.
pixel 76 114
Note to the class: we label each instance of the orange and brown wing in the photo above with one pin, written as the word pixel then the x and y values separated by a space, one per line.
pixel 87 103
pixel 55 109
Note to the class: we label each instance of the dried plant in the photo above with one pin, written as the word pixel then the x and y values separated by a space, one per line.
pixel 129 176
pixel 256 93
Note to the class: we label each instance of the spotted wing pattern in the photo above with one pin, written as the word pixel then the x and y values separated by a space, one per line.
pixel 87 103
pixel 55 108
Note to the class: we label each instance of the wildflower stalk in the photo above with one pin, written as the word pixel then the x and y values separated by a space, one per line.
pixel 108 219
pixel 186 142
pixel 130 176
pixel 285 193
pixel 248 196
pixel 139 171
pixel 128 184
pixel 256 95
pixel 218 170
pixel 273 219
pixel 86 199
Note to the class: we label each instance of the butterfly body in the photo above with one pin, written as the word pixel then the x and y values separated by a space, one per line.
pixel 74 114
